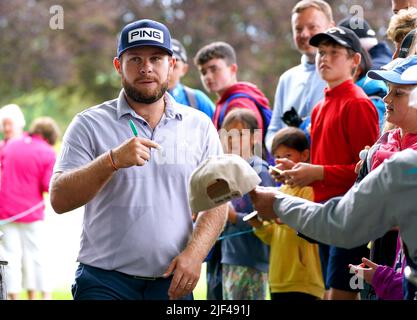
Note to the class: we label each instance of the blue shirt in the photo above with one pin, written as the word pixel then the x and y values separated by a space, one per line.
pixel 204 103
pixel 300 87
pixel 141 219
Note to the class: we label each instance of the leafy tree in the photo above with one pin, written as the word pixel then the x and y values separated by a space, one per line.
pixel 60 72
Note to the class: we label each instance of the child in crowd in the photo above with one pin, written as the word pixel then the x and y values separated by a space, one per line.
pixel 294 263
pixel 402 113
pixel 218 69
pixel 399 26
pixel 342 124
pixel 244 257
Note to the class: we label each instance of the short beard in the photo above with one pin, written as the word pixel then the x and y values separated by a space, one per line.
pixel 139 97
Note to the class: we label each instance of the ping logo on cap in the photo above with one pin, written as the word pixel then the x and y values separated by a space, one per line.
pixel 141 34
pixel 336 29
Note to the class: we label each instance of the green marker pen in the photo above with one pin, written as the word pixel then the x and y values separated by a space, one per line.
pixel 135 132
pixel 133 127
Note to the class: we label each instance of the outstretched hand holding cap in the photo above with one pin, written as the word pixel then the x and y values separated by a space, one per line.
pixel 263 199
pixel 220 179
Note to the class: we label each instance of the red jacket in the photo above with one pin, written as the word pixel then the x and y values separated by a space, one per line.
pixel 342 124
pixel 242 87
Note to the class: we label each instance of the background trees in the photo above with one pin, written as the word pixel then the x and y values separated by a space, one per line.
pixel 60 72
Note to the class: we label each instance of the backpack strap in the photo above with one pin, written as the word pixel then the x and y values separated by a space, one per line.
pixel 234 96
pixel 191 97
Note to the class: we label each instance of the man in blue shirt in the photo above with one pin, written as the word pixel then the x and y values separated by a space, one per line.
pixel 181 93
pixel 301 86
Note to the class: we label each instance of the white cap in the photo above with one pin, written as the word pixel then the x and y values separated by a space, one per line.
pixel 412 102
pixel 220 179
pixel 410 74
pixel 13 112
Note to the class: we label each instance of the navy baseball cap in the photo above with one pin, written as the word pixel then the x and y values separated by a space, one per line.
pixel 359 26
pixel 341 35
pixel 144 33
pixel 395 74
pixel 408 45
pixel 179 50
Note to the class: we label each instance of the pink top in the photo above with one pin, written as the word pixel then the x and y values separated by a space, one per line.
pixel 27 165
pixel 387 281
pixel 394 144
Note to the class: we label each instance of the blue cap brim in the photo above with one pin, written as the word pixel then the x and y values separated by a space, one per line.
pixel 410 74
pixel 388 75
pixel 138 45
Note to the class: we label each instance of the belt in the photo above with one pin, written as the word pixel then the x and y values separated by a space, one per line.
pixel 125 274
pixel 146 278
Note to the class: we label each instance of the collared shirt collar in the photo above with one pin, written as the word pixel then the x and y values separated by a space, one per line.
pixel 172 110
pixel 339 90
pixel 307 65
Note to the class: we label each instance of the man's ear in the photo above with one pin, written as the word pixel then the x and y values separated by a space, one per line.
pixel 172 61
pixel 305 155
pixel 233 68
pixel 357 59
pixel 117 64
pixel 185 69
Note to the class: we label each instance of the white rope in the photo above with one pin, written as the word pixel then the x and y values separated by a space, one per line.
pixel 22 214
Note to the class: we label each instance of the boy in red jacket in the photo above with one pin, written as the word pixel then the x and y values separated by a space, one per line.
pixel 218 69
pixel 342 124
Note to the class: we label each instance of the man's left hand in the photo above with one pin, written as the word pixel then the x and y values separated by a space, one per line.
pixel 186 270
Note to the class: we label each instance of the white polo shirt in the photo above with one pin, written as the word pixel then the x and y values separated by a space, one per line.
pixel 141 219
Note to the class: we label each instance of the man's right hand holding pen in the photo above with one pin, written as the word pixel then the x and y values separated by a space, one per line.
pixel 133 152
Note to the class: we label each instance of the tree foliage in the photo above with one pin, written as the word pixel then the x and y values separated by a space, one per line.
pixel 60 72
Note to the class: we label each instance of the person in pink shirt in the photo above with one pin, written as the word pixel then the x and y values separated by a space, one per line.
pixel 12 123
pixel 27 164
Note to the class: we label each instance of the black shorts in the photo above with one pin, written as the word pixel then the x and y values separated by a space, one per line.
pixel 336 272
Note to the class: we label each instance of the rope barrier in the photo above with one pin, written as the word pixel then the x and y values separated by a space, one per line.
pixel 235 234
pixel 22 214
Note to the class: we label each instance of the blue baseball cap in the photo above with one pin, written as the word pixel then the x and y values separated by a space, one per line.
pixel 395 74
pixel 144 33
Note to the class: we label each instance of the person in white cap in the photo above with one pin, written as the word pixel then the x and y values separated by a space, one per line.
pixel 138 240
pixel 399 112
pixel 12 122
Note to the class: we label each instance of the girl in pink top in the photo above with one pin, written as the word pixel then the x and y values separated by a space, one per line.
pixel 401 111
